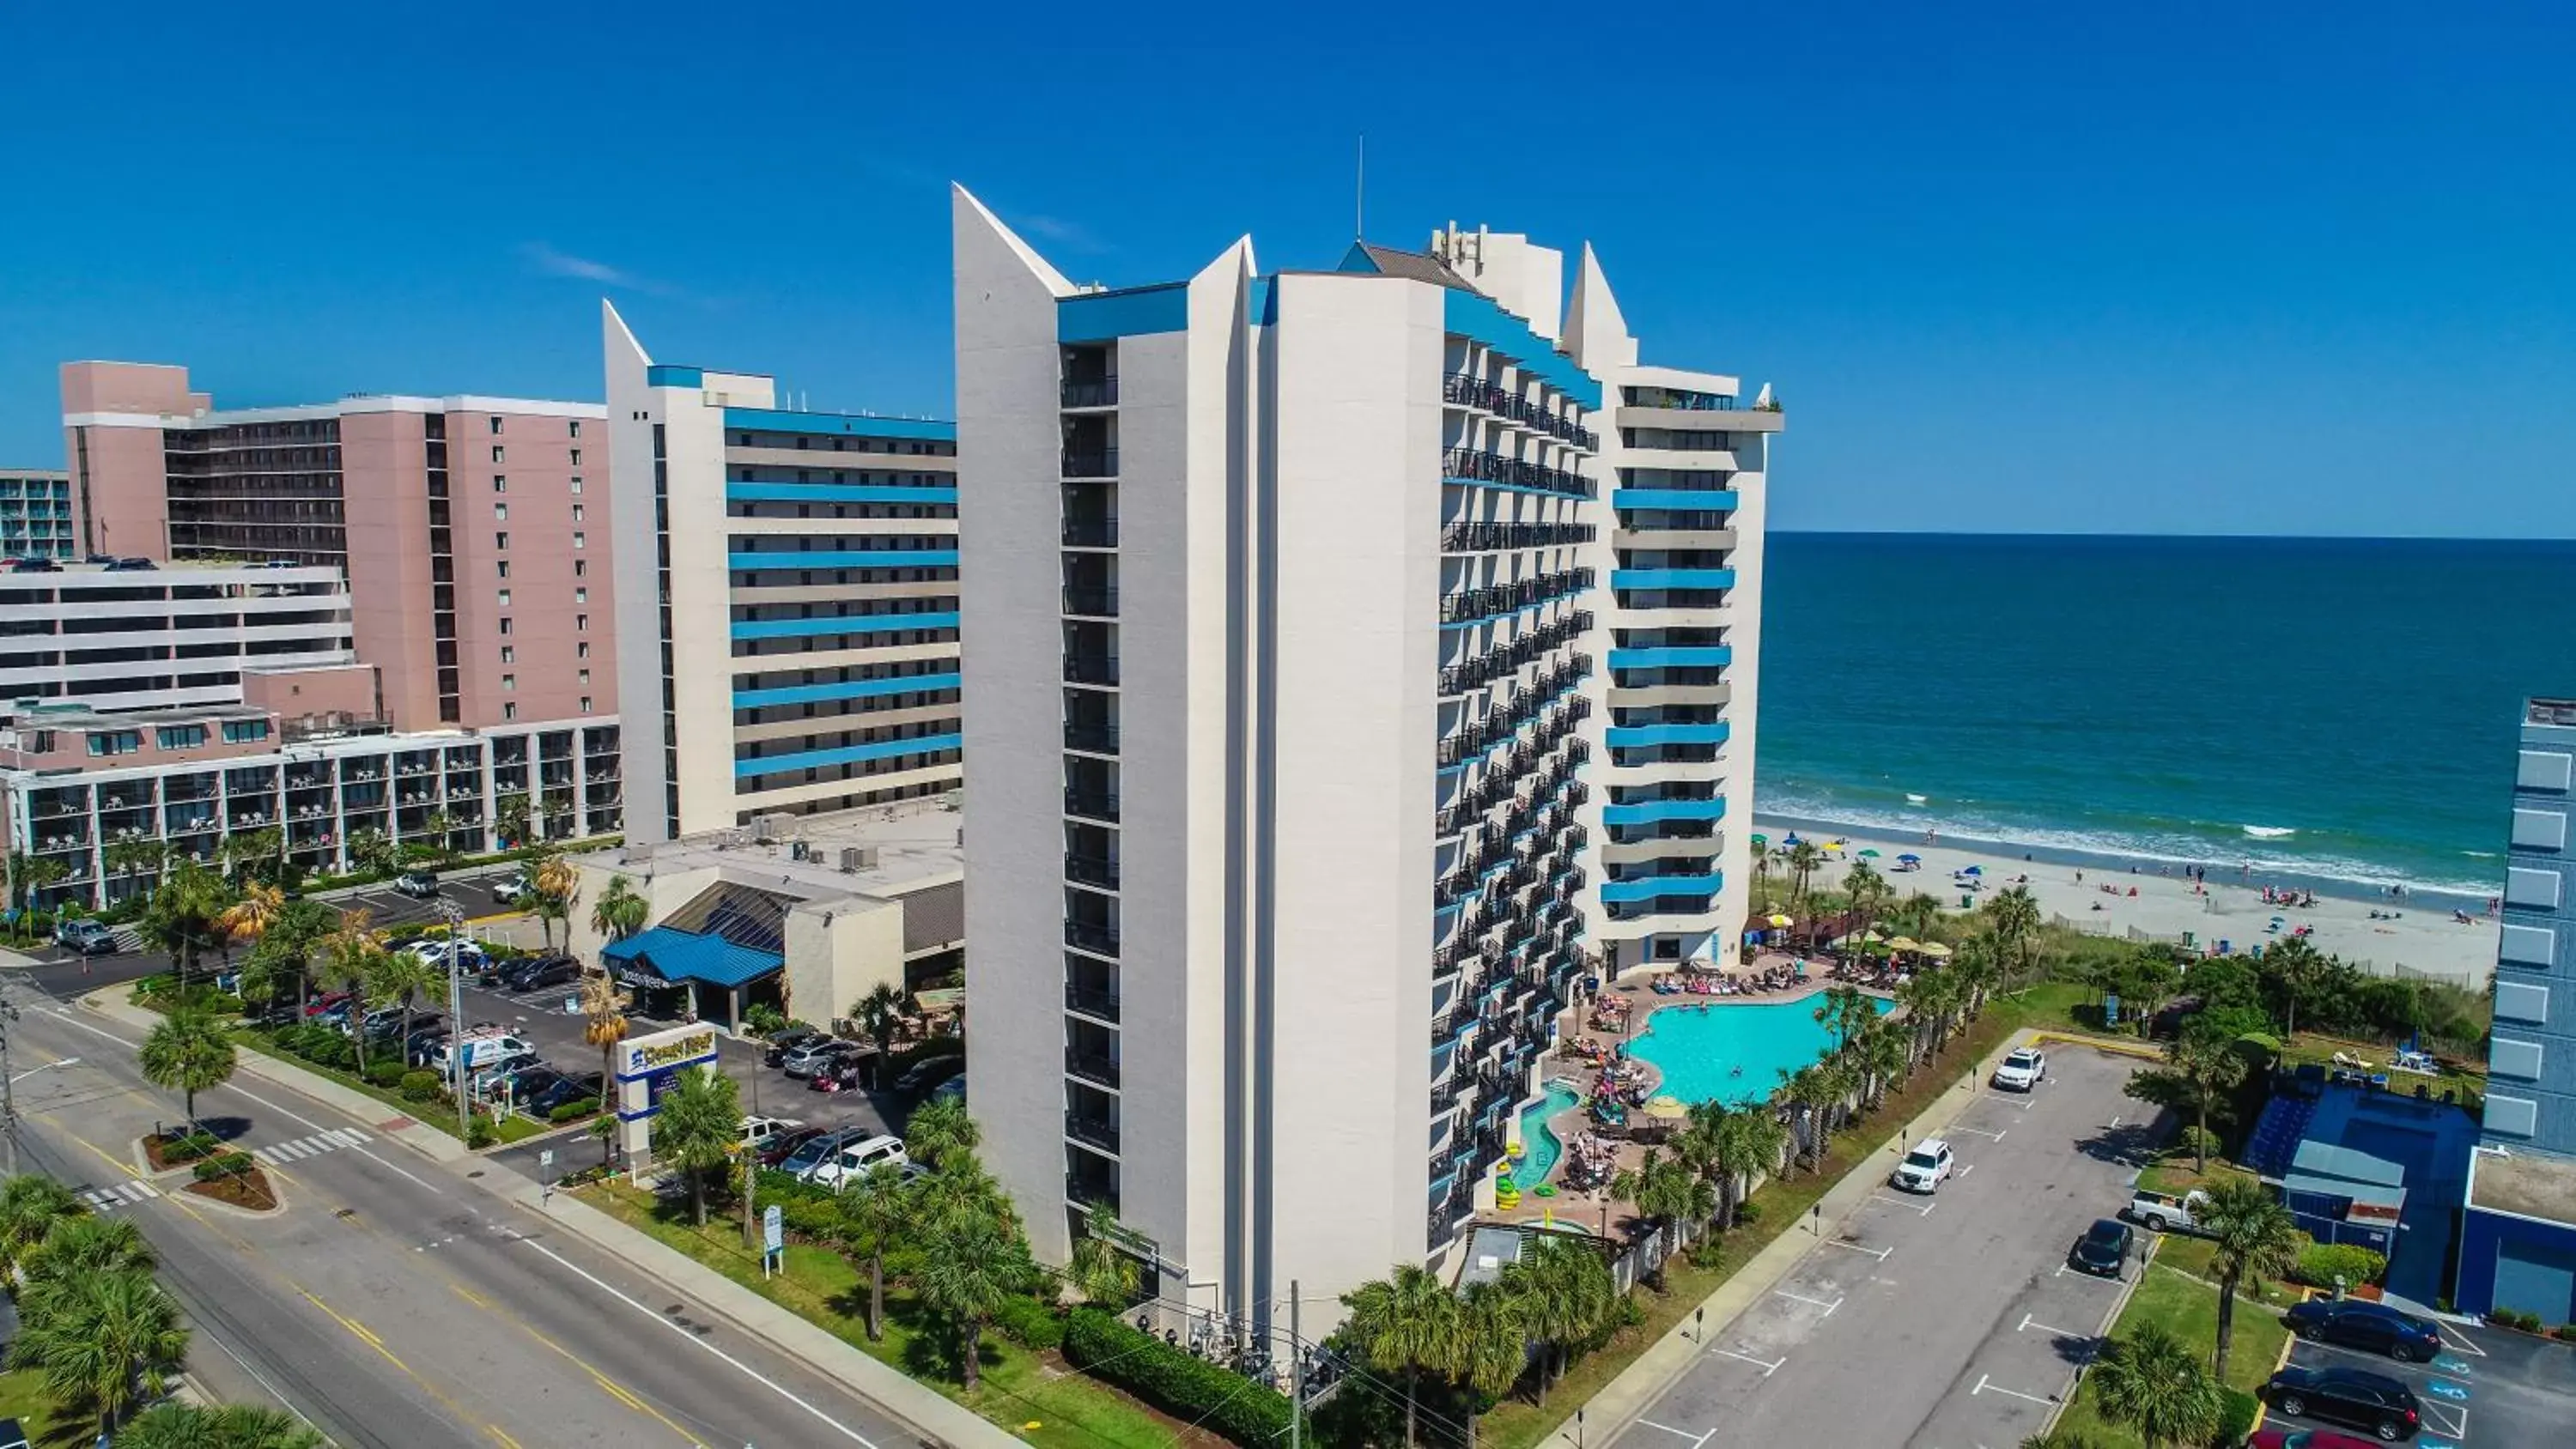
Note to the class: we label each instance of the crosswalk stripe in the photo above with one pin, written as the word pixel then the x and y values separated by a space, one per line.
pixel 344 1136
pixel 294 1151
pixel 356 1137
pixel 148 1189
pixel 264 1154
pixel 128 1191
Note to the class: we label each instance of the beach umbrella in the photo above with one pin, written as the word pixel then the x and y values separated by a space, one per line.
pixel 1667 1109
pixel 1933 949
pixel 1833 845
pixel 1868 854
pixel 1761 839
pixel 1905 943
pixel 1781 921
pixel 1871 936
pixel 1972 870
pixel 1911 859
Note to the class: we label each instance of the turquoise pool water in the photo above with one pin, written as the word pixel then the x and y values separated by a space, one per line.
pixel 1542 1147
pixel 1733 1052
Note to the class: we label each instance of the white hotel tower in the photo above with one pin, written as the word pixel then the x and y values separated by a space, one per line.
pixel 1343 664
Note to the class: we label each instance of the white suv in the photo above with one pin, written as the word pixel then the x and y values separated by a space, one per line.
pixel 2023 1070
pixel 856 1161
pixel 1924 1168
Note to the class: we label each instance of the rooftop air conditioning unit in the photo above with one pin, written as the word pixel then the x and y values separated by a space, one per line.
pixel 796 850
pixel 770 828
pixel 856 858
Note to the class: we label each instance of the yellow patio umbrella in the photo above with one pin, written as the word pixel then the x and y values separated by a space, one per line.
pixel 1935 950
pixel 1781 921
pixel 1833 845
pixel 1905 943
pixel 1667 1109
pixel 1872 936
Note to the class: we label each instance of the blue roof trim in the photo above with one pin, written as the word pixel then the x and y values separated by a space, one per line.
pixel 774 420
pixel 1101 316
pixel 1647 812
pixel 677 955
pixel 1649 887
pixel 1671 656
pixel 658 375
pixel 845 689
pixel 1475 315
pixel 841 624
pixel 1623 737
pixel 847 754
pixel 1672 578
pixel 835 493
pixel 844 558
pixel 1675 500
pixel 1357 259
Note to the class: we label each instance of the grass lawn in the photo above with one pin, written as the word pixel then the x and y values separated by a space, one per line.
pixel 2309 1046
pixel 1033 1395
pixel 22 1397
pixel 2173 1172
pixel 1517 1423
pixel 2190 1311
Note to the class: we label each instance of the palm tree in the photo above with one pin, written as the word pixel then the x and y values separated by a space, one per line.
pixel 252 854
pixel 1808 1091
pixel 1884 1054
pixel 1667 1192
pixel 969 1270
pixel 349 957
pixel 2297 969
pixel 372 850
pixel 1566 1294
pixel 103 1343
pixel 1804 858
pixel 878 1215
pixel 510 820
pixel 940 1128
pixel 84 1247
pixel 603 1023
pixel 1842 1011
pixel 879 1014
pixel 135 855
pixel 187 1052
pixel 619 912
pixel 1916 915
pixel 438 829
pixel 1409 1321
pixel 284 954
pixel 29 874
pixel 1493 1343
pixel 1101 1270
pixel 401 977
pixel 552 882
pixel 30 1206
pixel 223 1426
pixel 2195 1074
pixel 182 916
pixel 2151 1383
pixel 250 918
pixel 1868 892
pixel 2013 917
pixel 696 1129
pixel 2252 1234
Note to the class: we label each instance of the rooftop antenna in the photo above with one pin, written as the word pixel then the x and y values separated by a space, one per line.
pixel 1359 192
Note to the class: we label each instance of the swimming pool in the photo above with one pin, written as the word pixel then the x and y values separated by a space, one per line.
pixel 1700 1050
pixel 1541 1147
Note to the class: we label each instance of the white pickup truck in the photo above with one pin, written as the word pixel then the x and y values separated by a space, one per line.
pixel 2160 1212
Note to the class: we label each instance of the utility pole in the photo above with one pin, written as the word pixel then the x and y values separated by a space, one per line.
pixel 8 1086
pixel 1296 1373
pixel 456 1014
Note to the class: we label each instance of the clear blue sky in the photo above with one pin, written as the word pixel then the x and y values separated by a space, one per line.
pixel 2173 268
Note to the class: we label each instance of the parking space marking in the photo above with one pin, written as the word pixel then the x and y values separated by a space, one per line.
pixel 2458 1418
pixel 2459 1341
pixel 1988 1386
pixel 2028 1323
pixel 1696 1439
pixel 2094 1278
pixel 1923 1210
pixel 1879 1253
pixel 1964 1171
pixel 1997 1135
pixel 1768 1367
pixel 1829 1307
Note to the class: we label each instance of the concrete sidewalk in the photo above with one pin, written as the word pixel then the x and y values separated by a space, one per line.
pixel 1655 1370
pixel 935 1417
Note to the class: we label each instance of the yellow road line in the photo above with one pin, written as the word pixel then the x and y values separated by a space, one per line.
pixel 363 1333
pixel 496 1432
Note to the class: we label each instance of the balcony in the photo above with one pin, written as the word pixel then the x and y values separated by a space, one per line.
pixel 1090 463
pixel 1097 937
pixel 1086 1194
pixel 1092 1067
pixel 1092 1001
pixel 1099 805
pixel 1092 870
pixel 1091 669
pixel 1098 739
pixel 1091 532
pixel 1098 392
pixel 1093 1132
pixel 1091 603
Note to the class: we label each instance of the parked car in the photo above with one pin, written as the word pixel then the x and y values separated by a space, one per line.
pixel 759 1132
pixel 420 885
pixel 2165 1212
pixel 32 566
pixel 2357 1323
pixel 480 1051
pixel 11 1435
pixel 540 972
pixel 809 1058
pixel 542 1101
pixel 2357 1397
pixel 436 950
pixel 1925 1168
pixel 85 937
pixel 952 1090
pixel 513 1078
pixel 787 1041
pixel 329 1005
pixel 786 1144
pixel 510 887
pixel 857 1160
pixel 133 564
pixel 2026 1068
pixel 2280 1436
pixel 802 1162
pixel 2104 1249
pixel 928 1073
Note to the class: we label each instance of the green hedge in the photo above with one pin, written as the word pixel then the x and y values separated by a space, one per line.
pixel 2236 1417
pixel 1189 1388
pixel 574 1110
pixel 2319 1265
pixel 421 1086
pixel 190 1147
pixel 226 1164
pixel 1030 1324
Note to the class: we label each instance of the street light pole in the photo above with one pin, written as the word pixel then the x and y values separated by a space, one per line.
pixel 8 1087
pixel 456 1014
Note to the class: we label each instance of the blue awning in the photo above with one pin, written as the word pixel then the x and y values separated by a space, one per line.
pixel 688 956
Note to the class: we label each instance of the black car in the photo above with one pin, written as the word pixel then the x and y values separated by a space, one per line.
pixel 34 566
pixel 2357 1397
pixel 785 1042
pixel 538 973
pixel 543 1099
pixel 925 1075
pixel 2104 1249
pixel 2373 1326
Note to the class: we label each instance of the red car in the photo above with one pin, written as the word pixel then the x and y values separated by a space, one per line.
pixel 325 1003
pixel 779 1148
pixel 2281 1436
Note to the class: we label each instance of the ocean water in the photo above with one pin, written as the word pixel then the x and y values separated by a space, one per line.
pixel 2340 710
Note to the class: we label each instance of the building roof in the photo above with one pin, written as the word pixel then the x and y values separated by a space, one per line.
pixel 935 919
pixel 676 955
pixel 1414 266
pixel 2530 1184
pixel 904 848
pixel 2317 1159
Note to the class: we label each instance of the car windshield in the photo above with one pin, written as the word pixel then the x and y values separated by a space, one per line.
pixel 1921 1159
pixel 2103 1234
pixel 2021 1059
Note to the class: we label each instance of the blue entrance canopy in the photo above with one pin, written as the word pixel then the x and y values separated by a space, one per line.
pixel 676 955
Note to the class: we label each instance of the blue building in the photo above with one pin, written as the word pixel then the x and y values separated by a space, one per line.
pixel 2518 1232
pixel 35 513
pixel 2357 1163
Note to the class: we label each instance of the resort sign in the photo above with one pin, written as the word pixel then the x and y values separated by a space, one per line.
pixel 665 1050
pixel 647 1066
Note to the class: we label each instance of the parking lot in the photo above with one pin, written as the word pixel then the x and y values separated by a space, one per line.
pixel 1948 1321
pixel 2493 1389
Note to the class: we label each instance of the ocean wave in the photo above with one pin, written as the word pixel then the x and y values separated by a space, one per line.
pixel 2268 832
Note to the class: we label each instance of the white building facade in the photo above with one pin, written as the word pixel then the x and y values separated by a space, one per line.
pixel 1286 600
pixel 114 639
pixel 806 560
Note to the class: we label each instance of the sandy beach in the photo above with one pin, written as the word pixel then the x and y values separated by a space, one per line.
pixel 2423 938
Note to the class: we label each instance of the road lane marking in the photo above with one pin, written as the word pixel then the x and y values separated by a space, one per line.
pixel 505 1441
pixel 1829 1307
pixel 1988 1386
pixel 363 1334
pixel 1768 1366
pixel 755 1375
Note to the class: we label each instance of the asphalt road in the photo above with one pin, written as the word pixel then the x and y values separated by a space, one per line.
pixel 1942 1322
pixel 2492 1389
pixel 394 1302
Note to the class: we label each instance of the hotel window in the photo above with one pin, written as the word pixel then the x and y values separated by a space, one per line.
pixel 576 457
pixel 505 626
pixel 576 513
pixel 585 704
pixel 581 650
pixel 580 568
pixel 581 596
pixel 581 623
pixel 509 711
pixel 504 566
pixel 585 676
pixel 509 653
pixel 116 742
pixel 180 737
pixel 510 682
pixel 500 513
pixel 576 427
pixel 505 598
pixel 500 484
pixel 496 427
pixel 576 482
pixel 499 454
pixel 577 540
pixel 245 731
pixel 501 539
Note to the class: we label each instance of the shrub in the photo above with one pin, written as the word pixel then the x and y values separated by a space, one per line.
pixel 225 1164
pixel 1175 1382
pixel 420 1086
pixel 189 1147
pixel 1030 1324
pixel 809 1217
pixel 2321 1264
pixel 764 1019
pixel 479 1132
pixel 2236 1416
pixel 385 1072
pixel 1747 1212
pixel 2196 1142
pixel 573 1111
